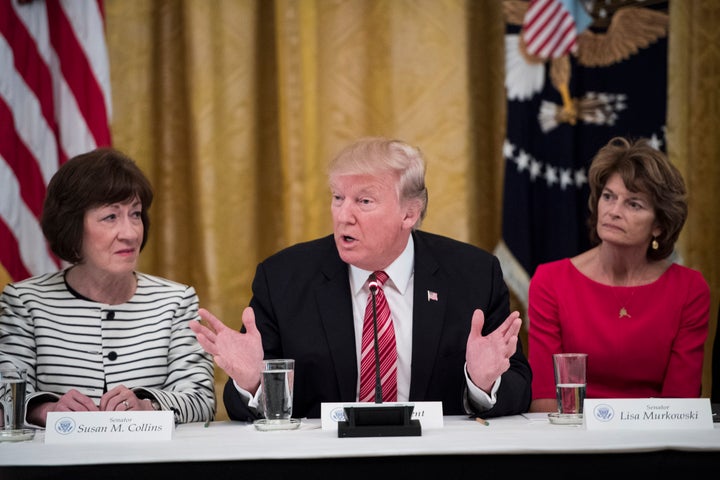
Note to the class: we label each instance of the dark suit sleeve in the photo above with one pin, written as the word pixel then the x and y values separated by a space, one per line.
pixel 303 310
pixel 235 404
pixel 514 394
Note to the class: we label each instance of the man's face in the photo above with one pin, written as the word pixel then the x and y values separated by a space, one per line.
pixel 370 223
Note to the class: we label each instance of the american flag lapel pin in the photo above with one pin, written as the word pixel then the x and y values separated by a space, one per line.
pixel 432 296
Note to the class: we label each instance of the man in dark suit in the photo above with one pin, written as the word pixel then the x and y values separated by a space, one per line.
pixel 457 341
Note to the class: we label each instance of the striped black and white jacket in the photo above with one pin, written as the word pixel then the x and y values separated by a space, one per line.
pixel 66 341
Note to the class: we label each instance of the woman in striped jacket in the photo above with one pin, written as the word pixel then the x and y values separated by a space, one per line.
pixel 100 335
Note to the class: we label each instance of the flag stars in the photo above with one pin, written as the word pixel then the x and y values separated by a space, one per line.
pixel 554 174
pixel 523 160
pixel 565 178
pixel 655 142
pixel 580 178
pixel 535 169
pixel 551 177
pixel 508 149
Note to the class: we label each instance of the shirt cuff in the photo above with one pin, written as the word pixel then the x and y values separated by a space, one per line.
pixel 478 396
pixel 250 400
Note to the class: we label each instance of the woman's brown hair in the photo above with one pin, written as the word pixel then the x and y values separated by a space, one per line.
pixel 644 169
pixel 99 177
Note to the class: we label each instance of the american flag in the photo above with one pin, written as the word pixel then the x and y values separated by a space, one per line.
pixel 550 27
pixel 54 104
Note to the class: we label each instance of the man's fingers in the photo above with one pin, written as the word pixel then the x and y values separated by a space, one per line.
pixel 511 325
pixel 248 318
pixel 214 322
pixel 478 322
pixel 514 326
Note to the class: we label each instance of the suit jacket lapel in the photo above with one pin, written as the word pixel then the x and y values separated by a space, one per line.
pixel 336 314
pixel 429 303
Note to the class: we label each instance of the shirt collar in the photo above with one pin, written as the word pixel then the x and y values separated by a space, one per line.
pixel 399 270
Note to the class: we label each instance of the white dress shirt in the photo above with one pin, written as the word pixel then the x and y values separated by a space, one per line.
pixel 399 290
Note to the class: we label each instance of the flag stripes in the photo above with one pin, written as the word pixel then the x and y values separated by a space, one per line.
pixel 551 27
pixel 54 103
pixel 550 30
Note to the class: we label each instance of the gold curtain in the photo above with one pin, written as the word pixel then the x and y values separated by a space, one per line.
pixel 693 142
pixel 233 107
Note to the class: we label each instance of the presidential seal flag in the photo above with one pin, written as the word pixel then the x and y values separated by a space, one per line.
pixel 560 111
pixel 54 104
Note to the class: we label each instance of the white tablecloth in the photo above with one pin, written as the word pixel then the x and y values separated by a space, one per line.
pixel 521 434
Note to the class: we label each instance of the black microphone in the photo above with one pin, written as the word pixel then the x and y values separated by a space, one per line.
pixel 374 285
pixel 378 420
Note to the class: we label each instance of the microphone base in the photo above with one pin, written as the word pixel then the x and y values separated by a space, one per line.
pixel 379 420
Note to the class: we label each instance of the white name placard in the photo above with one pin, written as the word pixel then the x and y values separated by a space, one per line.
pixel 647 413
pixel 429 414
pixel 101 427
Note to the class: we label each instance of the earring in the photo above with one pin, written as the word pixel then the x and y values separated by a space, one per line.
pixel 655 245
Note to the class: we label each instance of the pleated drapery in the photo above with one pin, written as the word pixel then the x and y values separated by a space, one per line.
pixel 233 108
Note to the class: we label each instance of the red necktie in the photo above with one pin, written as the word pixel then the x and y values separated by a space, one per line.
pixel 386 347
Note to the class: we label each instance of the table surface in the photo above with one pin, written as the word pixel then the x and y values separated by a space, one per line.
pixel 237 441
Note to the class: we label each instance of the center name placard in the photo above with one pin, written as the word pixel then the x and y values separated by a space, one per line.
pixel 430 414
pixel 107 427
